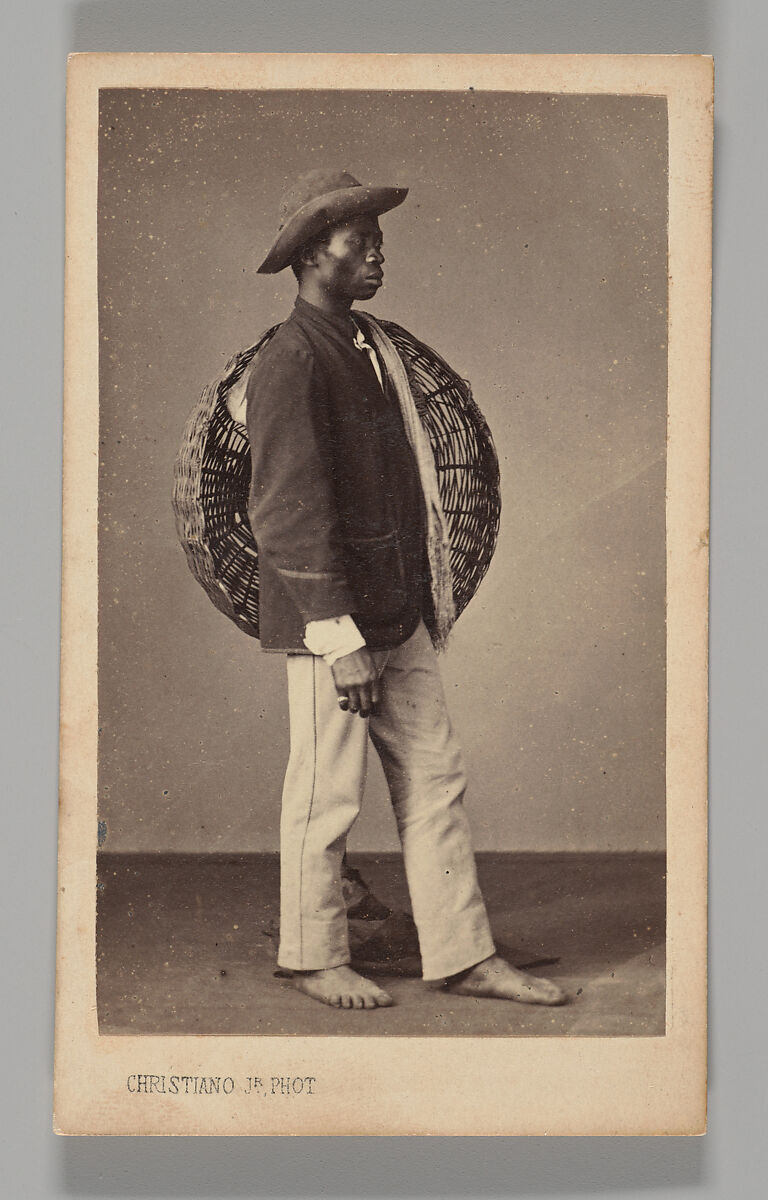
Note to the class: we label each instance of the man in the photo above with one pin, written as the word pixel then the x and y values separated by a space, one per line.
pixel 351 538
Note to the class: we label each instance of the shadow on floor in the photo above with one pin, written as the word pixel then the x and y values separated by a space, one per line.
pixel 184 946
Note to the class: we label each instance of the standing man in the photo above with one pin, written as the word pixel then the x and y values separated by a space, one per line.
pixel 355 590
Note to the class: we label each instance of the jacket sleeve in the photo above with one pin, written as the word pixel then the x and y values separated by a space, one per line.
pixel 292 507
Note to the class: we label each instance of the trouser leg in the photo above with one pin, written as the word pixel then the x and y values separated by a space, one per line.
pixel 423 764
pixel 322 795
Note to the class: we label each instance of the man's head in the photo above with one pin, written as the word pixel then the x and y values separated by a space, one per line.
pixel 342 264
pixel 316 205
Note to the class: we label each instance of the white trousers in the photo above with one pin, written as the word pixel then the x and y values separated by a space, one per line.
pixel 323 791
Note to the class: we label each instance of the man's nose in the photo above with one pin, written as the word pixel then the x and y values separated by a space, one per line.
pixel 375 254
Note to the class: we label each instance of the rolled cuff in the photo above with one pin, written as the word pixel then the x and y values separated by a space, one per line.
pixel 333 637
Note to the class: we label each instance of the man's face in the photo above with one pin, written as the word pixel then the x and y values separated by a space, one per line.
pixel 349 266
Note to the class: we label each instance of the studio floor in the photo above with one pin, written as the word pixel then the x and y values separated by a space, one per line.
pixel 185 945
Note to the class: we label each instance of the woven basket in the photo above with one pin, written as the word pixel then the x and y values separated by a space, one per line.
pixel 213 472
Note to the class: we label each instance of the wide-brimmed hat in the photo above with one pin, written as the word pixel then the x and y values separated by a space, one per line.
pixel 318 199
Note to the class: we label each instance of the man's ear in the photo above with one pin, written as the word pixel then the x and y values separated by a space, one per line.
pixel 308 255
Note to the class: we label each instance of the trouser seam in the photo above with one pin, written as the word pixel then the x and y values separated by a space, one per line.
pixel 309 810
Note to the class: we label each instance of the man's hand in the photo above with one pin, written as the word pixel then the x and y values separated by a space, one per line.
pixel 357 682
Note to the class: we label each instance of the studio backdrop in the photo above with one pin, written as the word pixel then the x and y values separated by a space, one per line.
pixel 531 254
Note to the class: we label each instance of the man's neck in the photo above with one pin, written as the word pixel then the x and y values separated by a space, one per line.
pixel 332 305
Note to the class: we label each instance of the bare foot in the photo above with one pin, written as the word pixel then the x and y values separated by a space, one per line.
pixel 497 979
pixel 341 987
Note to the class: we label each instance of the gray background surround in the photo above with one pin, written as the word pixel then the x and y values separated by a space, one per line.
pixel 731 1159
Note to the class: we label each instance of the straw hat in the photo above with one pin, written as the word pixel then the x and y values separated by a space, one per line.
pixel 318 199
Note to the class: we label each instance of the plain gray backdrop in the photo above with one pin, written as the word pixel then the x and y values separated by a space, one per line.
pixel 531 252
pixel 731 1160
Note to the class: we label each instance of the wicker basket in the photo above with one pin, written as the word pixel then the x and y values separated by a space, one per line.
pixel 213 471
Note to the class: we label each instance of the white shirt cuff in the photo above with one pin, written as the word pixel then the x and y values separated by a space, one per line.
pixel 333 638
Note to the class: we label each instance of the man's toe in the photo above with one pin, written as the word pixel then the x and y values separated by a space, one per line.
pixel 549 993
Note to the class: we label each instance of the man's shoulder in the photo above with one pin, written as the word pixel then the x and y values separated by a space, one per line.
pixel 289 338
pixel 288 348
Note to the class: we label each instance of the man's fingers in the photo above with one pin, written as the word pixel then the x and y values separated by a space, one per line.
pixel 366 700
pixel 360 698
pixel 369 698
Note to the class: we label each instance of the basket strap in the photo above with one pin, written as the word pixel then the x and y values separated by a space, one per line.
pixel 438 539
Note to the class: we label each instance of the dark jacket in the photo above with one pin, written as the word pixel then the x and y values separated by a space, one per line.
pixel 335 505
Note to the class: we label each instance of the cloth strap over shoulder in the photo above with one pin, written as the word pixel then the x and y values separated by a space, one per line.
pixel 438 538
